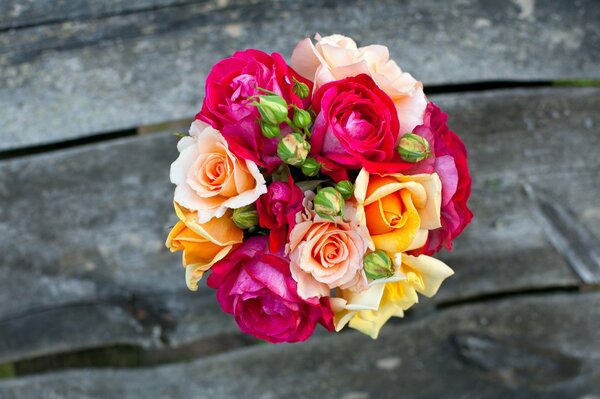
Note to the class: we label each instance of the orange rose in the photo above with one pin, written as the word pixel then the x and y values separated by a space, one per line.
pixel 202 244
pixel 398 210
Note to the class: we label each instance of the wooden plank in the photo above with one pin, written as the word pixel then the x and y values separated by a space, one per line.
pixel 514 137
pixel 17 13
pixel 85 227
pixel 91 233
pixel 533 346
pixel 74 79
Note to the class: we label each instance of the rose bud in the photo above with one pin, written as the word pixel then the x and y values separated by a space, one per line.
pixel 345 188
pixel 301 118
pixel 300 89
pixel 413 148
pixel 269 131
pixel 272 108
pixel 311 167
pixel 329 203
pixel 293 149
pixel 378 265
pixel 245 217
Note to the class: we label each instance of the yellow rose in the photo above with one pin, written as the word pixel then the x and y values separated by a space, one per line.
pixel 202 244
pixel 369 310
pixel 398 210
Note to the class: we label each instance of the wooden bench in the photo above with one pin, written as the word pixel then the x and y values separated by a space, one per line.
pixel 85 203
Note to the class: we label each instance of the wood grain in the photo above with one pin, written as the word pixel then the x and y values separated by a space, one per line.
pixel 522 347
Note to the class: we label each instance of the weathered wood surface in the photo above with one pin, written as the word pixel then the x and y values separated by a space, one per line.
pixel 536 346
pixel 82 230
pixel 19 13
pixel 70 79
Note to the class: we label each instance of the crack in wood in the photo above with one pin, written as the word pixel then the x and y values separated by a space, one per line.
pixel 567 235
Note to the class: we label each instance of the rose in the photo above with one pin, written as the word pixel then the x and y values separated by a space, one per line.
pixel 367 311
pixel 337 57
pixel 450 163
pixel 255 286
pixel 202 244
pixel 210 179
pixel 277 210
pixel 325 255
pixel 228 107
pixel 397 209
pixel 356 126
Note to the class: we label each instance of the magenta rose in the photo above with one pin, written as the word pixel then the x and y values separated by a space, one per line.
pixel 255 285
pixel 356 126
pixel 227 106
pixel 277 211
pixel 449 161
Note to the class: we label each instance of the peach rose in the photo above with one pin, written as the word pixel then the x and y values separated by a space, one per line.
pixel 210 179
pixel 398 209
pixel 202 244
pixel 326 255
pixel 369 310
pixel 337 57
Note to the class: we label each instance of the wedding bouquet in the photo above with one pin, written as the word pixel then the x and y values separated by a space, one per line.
pixel 317 192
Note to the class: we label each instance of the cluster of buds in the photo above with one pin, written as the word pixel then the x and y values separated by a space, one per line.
pixel 293 148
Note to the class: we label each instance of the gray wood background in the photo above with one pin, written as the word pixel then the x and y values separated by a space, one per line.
pixel 91 303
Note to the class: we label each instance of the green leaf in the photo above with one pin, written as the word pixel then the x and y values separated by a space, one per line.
pixel 282 173
pixel 310 185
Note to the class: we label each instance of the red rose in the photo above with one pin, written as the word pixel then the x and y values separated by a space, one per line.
pixel 450 163
pixel 227 106
pixel 256 286
pixel 277 210
pixel 356 126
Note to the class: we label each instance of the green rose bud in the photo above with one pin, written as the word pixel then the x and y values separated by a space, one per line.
pixel 378 265
pixel 329 203
pixel 245 217
pixel 413 148
pixel 293 149
pixel 269 131
pixel 272 108
pixel 300 89
pixel 301 118
pixel 311 167
pixel 345 188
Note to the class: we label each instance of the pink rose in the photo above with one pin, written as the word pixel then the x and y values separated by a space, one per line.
pixel 450 163
pixel 211 179
pixel 277 210
pixel 255 286
pixel 356 126
pixel 325 255
pixel 227 106
pixel 337 57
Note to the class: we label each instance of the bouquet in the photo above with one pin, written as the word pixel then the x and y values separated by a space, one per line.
pixel 317 192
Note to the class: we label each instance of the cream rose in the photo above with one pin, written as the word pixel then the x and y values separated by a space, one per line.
pixel 367 311
pixel 210 179
pixel 337 57
pixel 325 255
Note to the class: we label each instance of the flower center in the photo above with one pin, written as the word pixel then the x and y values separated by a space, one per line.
pixel 212 173
pixel 331 251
